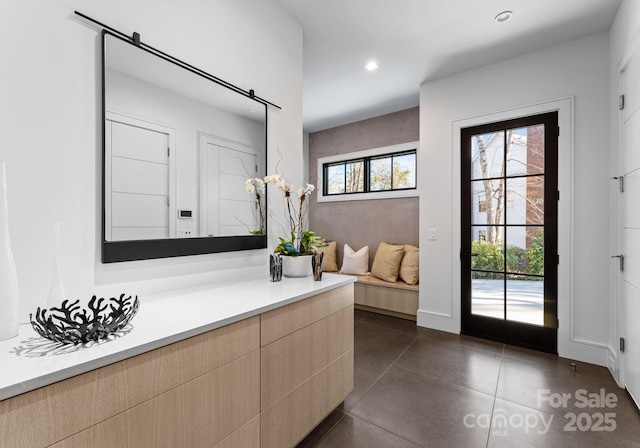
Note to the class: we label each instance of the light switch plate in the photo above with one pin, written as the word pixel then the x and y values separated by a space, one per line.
pixel 433 234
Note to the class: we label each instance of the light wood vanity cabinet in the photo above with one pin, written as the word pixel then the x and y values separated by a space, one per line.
pixel 306 365
pixel 193 393
pixel 264 381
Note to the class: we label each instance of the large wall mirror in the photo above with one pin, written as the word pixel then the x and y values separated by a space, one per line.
pixel 178 148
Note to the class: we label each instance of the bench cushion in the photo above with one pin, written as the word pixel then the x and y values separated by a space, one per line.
pixel 370 280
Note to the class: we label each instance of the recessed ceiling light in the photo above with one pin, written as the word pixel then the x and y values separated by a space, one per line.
pixel 504 16
pixel 371 66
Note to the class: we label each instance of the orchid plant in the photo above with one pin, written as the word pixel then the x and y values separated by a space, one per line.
pixel 256 186
pixel 300 240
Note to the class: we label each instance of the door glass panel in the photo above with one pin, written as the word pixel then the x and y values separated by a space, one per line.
pixel 525 299
pixel 525 151
pixel 524 201
pixel 487 294
pixel 490 256
pixel 485 203
pixel 525 250
pixel 487 153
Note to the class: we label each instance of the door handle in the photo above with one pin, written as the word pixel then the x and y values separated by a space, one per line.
pixel 621 259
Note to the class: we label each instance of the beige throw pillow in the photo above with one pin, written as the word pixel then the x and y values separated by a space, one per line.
pixel 410 267
pixel 356 263
pixel 386 263
pixel 329 262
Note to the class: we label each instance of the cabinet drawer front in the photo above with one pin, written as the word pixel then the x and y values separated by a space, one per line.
pixel 100 394
pixel 246 437
pixel 283 321
pixel 292 418
pixel 198 414
pixel 291 360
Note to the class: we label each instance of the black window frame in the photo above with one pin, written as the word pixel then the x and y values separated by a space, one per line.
pixel 367 173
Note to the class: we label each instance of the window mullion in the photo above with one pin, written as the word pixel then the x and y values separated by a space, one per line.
pixel 367 174
pixel 392 183
pixel 345 177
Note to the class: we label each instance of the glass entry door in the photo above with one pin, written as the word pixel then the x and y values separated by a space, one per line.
pixel 509 231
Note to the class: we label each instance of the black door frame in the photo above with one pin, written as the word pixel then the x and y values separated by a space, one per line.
pixel 542 338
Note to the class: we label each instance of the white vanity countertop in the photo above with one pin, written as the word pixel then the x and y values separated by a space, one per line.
pixel 29 361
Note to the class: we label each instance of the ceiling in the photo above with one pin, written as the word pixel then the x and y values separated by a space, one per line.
pixel 414 41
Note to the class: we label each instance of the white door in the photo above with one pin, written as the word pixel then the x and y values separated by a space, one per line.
pixel 236 205
pixel 630 214
pixel 137 183
pixel 227 207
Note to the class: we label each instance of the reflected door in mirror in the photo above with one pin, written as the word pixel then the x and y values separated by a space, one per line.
pixel 138 196
pixel 228 209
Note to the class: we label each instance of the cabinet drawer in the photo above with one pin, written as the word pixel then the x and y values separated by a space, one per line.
pixel 283 321
pixel 292 418
pixel 198 414
pixel 291 360
pixel 246 437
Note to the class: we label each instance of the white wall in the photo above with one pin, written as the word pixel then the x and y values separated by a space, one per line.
pixel 576 69
pixel 624 33
pixel 50 127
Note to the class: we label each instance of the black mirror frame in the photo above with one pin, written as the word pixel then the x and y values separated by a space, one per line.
pixel 119 251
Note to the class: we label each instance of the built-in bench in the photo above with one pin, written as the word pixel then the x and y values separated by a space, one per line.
pixel 396 299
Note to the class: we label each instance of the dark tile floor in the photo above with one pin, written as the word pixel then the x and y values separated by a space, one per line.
pixel 416 387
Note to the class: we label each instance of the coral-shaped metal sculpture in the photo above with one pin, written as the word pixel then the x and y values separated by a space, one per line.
pixel 71 324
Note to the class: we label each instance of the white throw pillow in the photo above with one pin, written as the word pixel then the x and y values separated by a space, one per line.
pixel 356 263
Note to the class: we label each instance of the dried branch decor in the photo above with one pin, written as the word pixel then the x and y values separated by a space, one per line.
pixel 71 324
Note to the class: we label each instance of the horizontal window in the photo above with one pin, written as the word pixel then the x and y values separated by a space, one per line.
pixel 371 174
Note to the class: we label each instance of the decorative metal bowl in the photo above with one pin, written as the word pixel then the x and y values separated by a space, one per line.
pixel 71 324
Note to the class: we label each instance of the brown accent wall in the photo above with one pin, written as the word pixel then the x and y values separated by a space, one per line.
pixel 365 223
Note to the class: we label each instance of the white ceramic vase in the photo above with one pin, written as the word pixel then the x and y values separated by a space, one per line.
pixel 8 277
pixel 299 266
pixel 56 289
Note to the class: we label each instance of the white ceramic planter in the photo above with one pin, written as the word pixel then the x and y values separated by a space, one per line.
pixel 8 277
pixel 296 266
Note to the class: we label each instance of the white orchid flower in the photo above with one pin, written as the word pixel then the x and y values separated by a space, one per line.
pixel 272 179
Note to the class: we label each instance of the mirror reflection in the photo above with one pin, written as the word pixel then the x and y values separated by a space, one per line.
pixel 178 151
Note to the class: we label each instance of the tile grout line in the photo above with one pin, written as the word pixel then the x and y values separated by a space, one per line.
pixel 348 412
pixel 385 371
pixel 495 397
pixel 383 429
pixel 330 430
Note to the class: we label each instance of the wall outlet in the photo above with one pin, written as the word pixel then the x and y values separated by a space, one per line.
pixel 184 233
